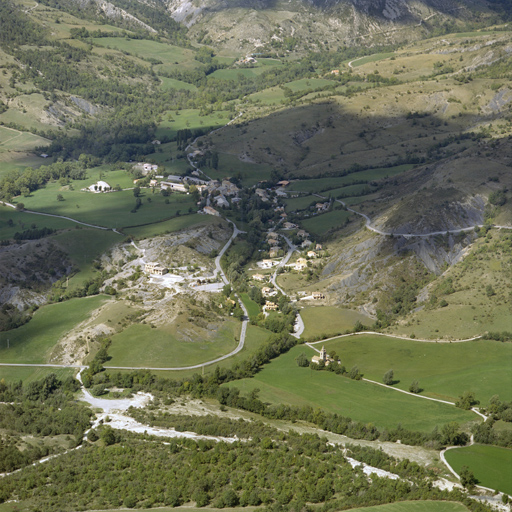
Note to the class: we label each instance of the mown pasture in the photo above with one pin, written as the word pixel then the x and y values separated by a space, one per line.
pixel 317 185
pixel 111 210
pixel 171 56
pixel 171 226
pixel 330 320
pixel 444 370
pixel 282 381
pixel 171 347
pixel 83 246
pixel 320 224
pixel 230 165
pixel 254 338
pixel 29 374
pixel 33 342
pixel 491 465
pixel 23 220
pixel 172 83
pixel 416 506
pixel 190 118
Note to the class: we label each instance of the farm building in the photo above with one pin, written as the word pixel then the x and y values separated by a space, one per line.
pixel 301 264
pixel 155 269
pixel 273 252
pixel 270 306
pixel 178 187
pixel 211 211
pixel 258 277
pixel 318 295
pixel 100 186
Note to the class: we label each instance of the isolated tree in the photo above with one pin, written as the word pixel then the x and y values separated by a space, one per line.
pixel 414 387
pixel 451 435
pixel 302 360
pixel 354 373
pixel 60 197
pixel 388 378
pixel 467 478
pixel 136 191
pixel 467 400
pixel 20 207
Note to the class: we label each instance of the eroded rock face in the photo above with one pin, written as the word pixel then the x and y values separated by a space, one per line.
pixel 27 271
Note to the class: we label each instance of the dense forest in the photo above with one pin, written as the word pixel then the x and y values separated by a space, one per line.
pixel 282 472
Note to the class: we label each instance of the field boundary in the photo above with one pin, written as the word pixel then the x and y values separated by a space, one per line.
pixel 422 340
pixel 473 409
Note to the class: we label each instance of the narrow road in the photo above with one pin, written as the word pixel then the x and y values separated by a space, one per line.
pixel 62 217
pixel 473 409
pixel 291 249
pixel 368 224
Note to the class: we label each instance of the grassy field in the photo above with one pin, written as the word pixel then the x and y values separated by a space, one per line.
pixel 444 370
pixel 112 210
pixel 415 506
pixel 32 342
pixel 171 56
pixel 28 374
pixel 330 320
pixel 371 58
pixel 84 246
pixel 317 185
pixel 491 465
pixel 24 220
pixel 172 83
pixel 252 308
pixel 140 345
pixel 282 381
pixel 189 118
pixel 11 139
pixel 271 96
pixel 320 224
pixel 255 337
pixel 231 165
pixel 308 83
pixel 170 226
pixel 299 203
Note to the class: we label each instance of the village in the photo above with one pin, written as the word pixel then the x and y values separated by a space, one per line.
pixel 222 198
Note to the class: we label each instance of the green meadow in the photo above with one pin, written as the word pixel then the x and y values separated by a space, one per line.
pixel 327 321
pixel 142 346
pixel 491 465
pixel 282 381
pixel 254 338
pixel 84 246
pixel 190 118
pixel 173 225
pixel 33 342
pixel 111 210
pixel 444 370
pixel 171 56
pixel 317 185
pixel 172 83
pixel 252 308
pixel 230 165
pixel 308 83
pixel 23 220
pixel 29 374
pixel 416 506
pixel 320 224
pixel 300 203
pixel 270 96
pixel 371 58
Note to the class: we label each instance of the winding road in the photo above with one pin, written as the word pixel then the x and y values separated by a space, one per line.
pixel 368 225
pixel 62 217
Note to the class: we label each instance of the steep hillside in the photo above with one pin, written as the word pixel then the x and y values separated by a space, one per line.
pixel 270 25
